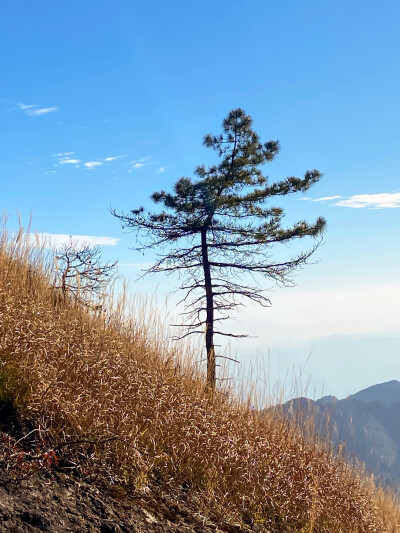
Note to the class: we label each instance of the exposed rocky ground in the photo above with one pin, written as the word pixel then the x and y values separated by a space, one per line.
pixel 59 503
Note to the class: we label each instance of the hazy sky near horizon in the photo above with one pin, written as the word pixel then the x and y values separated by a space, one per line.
pixel 101 104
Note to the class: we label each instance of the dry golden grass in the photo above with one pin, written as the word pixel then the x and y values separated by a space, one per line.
pixel 119 383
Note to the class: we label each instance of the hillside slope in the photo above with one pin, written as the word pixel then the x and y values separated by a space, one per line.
pixel 110 400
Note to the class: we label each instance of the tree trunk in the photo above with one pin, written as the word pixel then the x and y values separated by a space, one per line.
pixel 211 361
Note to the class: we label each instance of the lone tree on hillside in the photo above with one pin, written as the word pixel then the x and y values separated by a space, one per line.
pixel 217 231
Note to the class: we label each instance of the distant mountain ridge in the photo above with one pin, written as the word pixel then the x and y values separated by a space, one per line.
pixel 386 393
pixel 367 423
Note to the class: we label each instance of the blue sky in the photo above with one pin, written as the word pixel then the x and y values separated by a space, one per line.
pixel 103 103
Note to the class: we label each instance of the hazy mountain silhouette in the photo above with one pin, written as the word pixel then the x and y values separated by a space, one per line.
pixel 366 423
pixel 385 393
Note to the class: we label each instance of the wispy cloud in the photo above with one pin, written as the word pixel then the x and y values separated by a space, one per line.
pixel 73 161
pixel 383 200
pixel 55 240
pixel 326 198
pixel 139 163
pixel 92 164
pixel 42 111
pixel 114 157
pixel 69 158
pixel 64 158
pixel 373 201
pixel 160 170
pixel 35 110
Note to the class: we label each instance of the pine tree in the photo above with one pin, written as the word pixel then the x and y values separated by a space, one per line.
pixel 218 228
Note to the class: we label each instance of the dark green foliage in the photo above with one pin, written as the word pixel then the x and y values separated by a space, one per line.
pixel 219 226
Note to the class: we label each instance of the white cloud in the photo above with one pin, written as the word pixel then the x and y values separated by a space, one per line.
pixel 35 110
pixel 325 198
pixel 161 169
pixel 25 107
pixel 55 240
pixel 93 164
pixel 139 163
pixel 114 157
pixel 42 111
pixel 373 201
pixel 65 158
pixel 66 161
